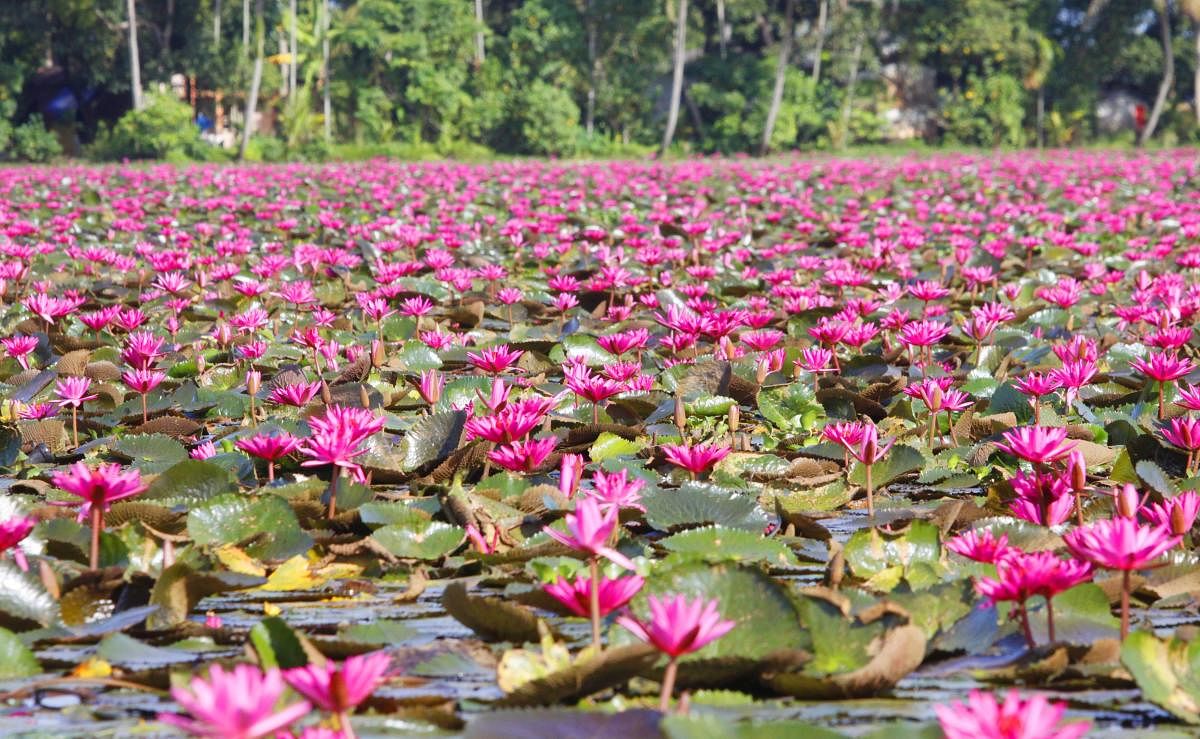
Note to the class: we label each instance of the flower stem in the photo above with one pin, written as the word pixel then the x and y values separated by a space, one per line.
pixel 343 724
pixel 75 426
pixel 1025 626
pixel 870 494
pixel 1124 604
pixel 1161 392
pixel 270 471
pixel 668 685
pixel 594 602
pixel 333 491
pixel 1050 618
pixel 97 526
pixel 145 415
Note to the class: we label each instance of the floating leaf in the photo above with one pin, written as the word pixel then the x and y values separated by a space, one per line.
pixel 609 446
pixel 150 452
pixel 15 658
pixel 263 525
pixel 492 618
pixel 1167 671
pixel 697 504
pixel 716 543
pixel 420 539
pixel 189 483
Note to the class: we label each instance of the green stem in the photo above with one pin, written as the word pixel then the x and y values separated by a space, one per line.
pixel 97 514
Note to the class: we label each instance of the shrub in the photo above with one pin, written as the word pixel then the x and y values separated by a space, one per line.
pixel 30 142
pixel 162 127
pixel 548 120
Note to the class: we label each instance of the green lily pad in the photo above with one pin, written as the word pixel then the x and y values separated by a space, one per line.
pixel 277 645
pixel 698 504
pixel 150 452
pixel 717 543
pixel 901 460
pixel 267 522
pixel 420 539
pixel 189 483
pixel 709 405
pixel 24 601
pixel 16 660
pixel 1167 671
pixel 766 617
pixel 871 553
pixel 432 438
pixel 125 651
pixel 609 446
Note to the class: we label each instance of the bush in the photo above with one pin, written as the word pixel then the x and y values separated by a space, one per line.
pixel 29 142
pixel 989 112
pixel 162 128
pixel 548 120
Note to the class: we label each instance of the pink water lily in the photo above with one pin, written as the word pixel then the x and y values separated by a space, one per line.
pixel 678 626
pixel 241 703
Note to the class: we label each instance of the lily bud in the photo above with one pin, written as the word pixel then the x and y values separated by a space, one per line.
pixel 326 396
pixel 680 414
pixel 364 398
pixel 1179 522
pixel 570 473
pixel 253 381
pixel 200 364
pixel 1078 469
pixel 377 354
pixel 1127 501
pixel 735 417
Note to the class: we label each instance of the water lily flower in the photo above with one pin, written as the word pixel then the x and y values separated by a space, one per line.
pixel 695 458
pixel 1037 444
pixel 339 689
pixel 678 626
pixel 242 703
pixel 1163 367
pixel 98 488
pixel 983 717
pixel 1121 544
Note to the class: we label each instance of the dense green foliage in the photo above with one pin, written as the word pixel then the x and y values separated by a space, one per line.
pixel 593 77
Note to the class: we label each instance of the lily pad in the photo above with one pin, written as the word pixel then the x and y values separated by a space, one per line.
pixel 265 525
pixel 698 504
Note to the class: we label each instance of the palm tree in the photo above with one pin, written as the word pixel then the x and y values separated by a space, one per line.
pixel 677 79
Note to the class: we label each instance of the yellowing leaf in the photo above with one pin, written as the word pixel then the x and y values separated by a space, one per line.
pixel 236 560
pixel 297 574
pixel 92 667
pixel 271 609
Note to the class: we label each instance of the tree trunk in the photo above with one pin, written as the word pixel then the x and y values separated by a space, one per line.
pixel 721 26
pixel 1041 117
pixel 217 24
pixel 785 53
pixel 135 65
pixel 168 30
pixel 848 100
pixel 293 51
pixel 1168 77
pixel 589 122
pixel 1196 82
pixel 677 78
pixel 245 27
pixel 479 51
pixel 822 23
pixel 255 79
pixel 328 108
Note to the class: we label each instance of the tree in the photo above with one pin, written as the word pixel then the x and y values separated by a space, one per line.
pixel 135 65
pixel 676 78
pixel 1163 10
pixel 785 52
pixel 255 79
